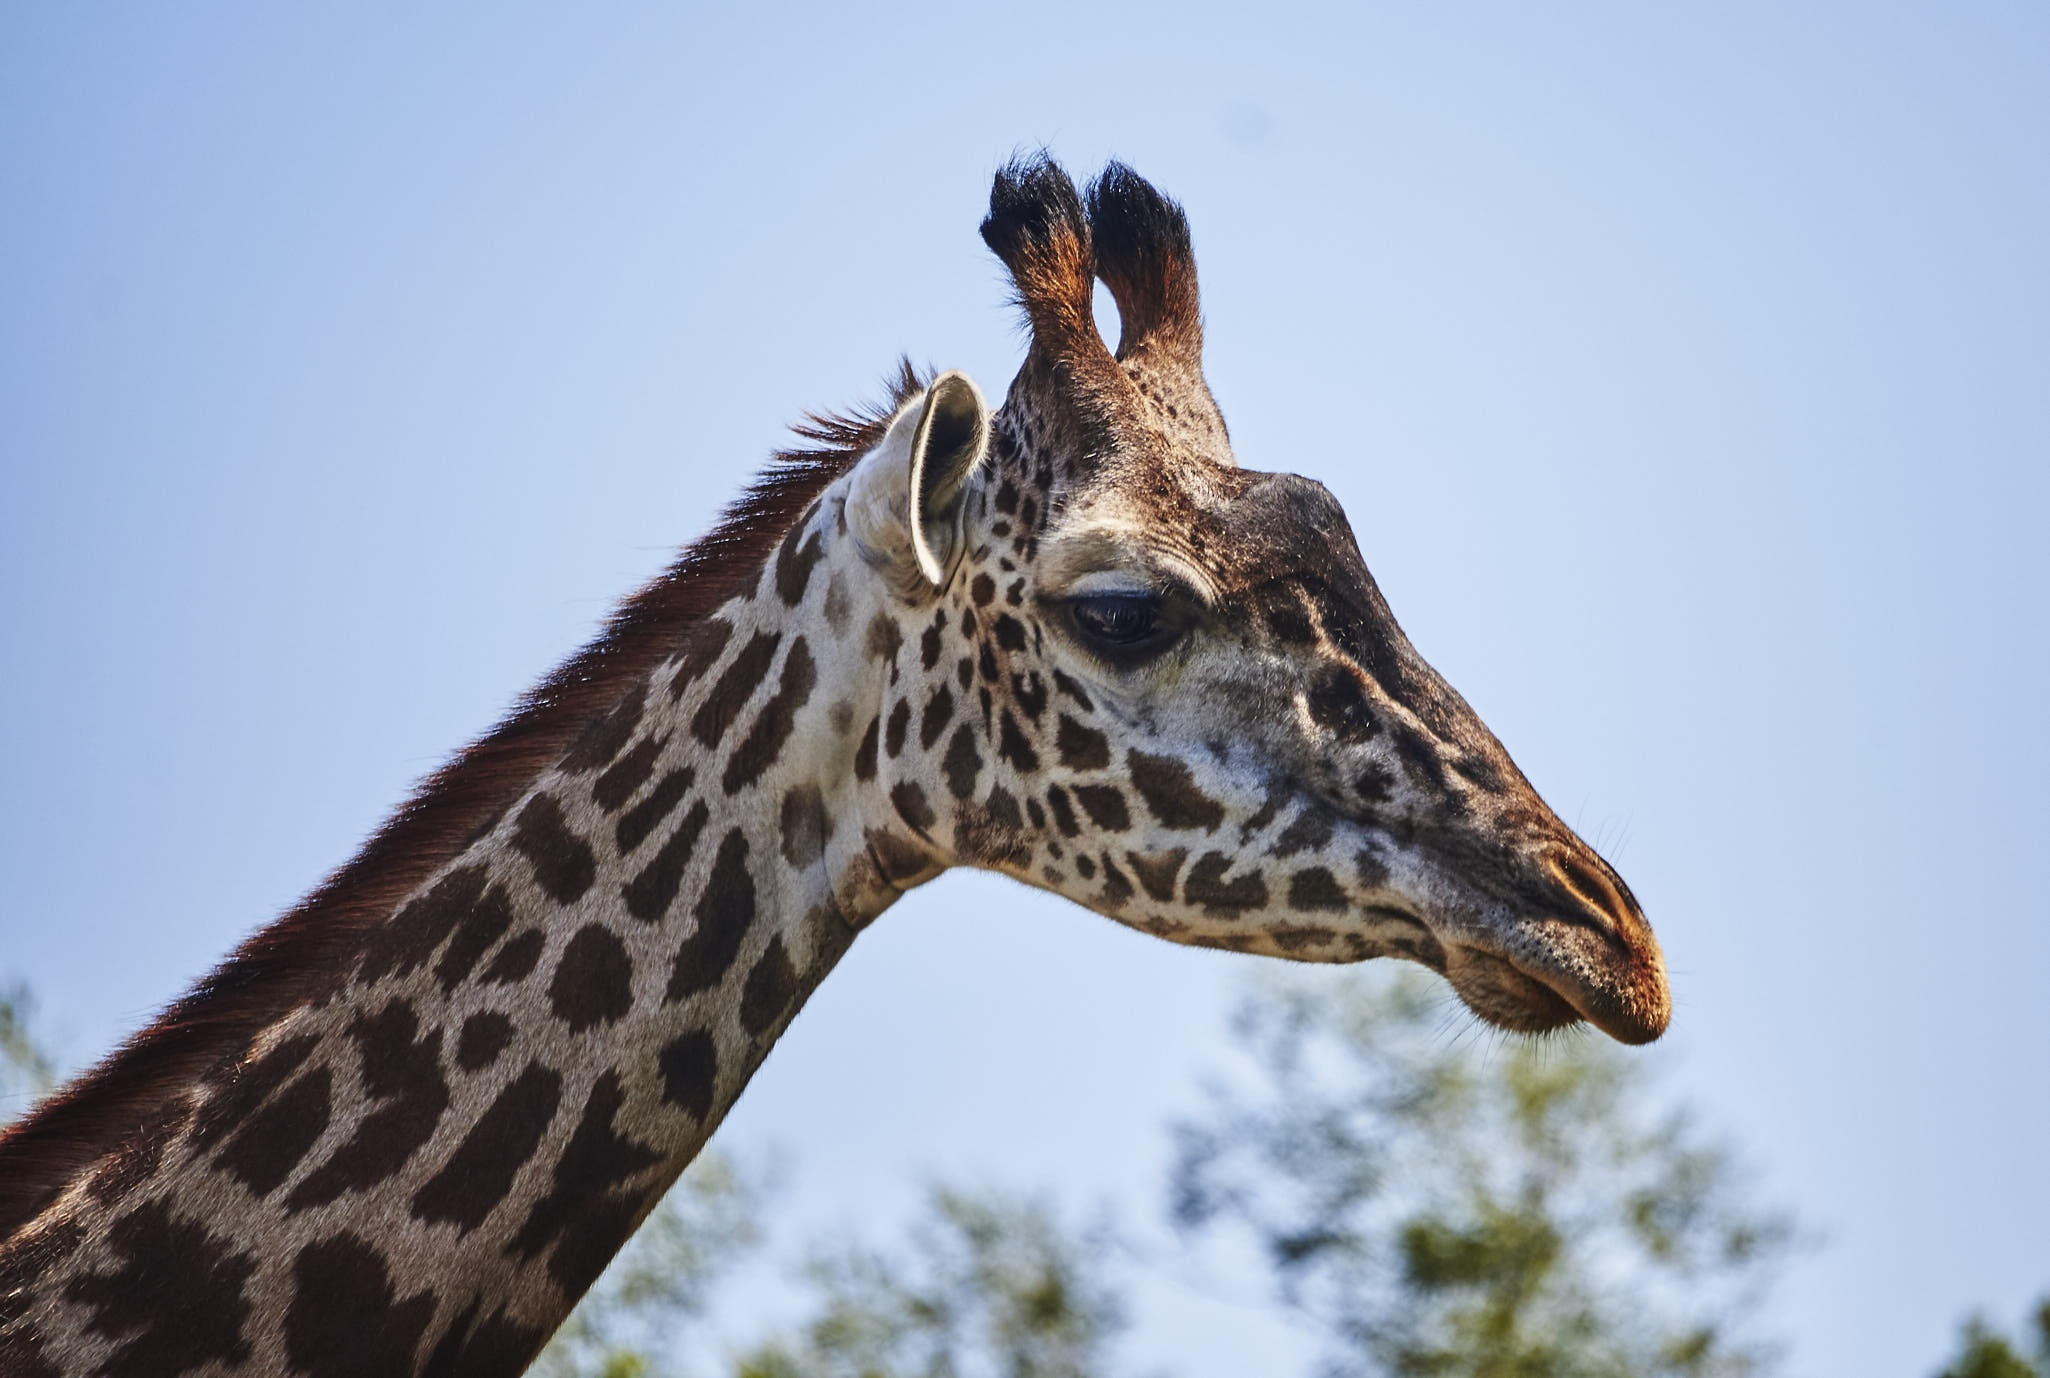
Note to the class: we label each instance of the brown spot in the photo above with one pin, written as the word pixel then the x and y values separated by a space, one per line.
pixel 1294 937
pixel 404 942
pixel 496 1344
pixel 1010 633
pixel 484 925
pixel 1371 870
pixel 516 959
pixel 606 737
pixel 805 824
pixel 1169 789
pixel 1116 889
pixel 725 911
pixel 271 1142
pixel 837 606
pixel 1029 691
pixel 1063 814
pixel 1003 808
pixel 865 754
pixel 1081 748
pixel 983 590
pixel 929 641
pixel 938 709
pixel 400 1068
pixel 734 687
pixel 250 1086
pixel 485 1035
pixel 690 1071
pixel 593 982
pixel 794 565
pixel 346 1317
pixel 1157 871
pixel 649 894
pixel 1374 784
pixel 1270 807
pixel 1086 864
pixel 1220 898
pixel 885 639
pixel 640 820
pixel 1013 747
pixel 962 763
pixel 893 734
pixel 173 1302
pixel 1074 691
pixel 912 807
pixel 628 773
pixel 770 988
pixel 597 1160
pixel 1338 704
pixel 1104 805
pixel 701 651
pixel 1306 832
pixel 479 1174
pixel 1288 622
pixel 562 861
pixel 1315 889
pixel 772 728
pixel 595 1234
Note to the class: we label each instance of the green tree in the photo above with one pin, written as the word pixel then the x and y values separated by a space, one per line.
pixel 1458 1206
pixel 1984 1352
pixel 26 1069
pixel 990 1286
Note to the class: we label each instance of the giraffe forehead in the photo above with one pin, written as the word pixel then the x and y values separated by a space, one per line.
pixel 1233 535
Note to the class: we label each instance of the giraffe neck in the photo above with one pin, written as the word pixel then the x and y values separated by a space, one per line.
pixel 425 1169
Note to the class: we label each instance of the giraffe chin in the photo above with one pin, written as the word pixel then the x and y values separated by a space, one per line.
pixel 1510 997
pixel 1506 997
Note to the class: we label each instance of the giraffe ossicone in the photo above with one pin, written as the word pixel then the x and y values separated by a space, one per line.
pixel 403 1129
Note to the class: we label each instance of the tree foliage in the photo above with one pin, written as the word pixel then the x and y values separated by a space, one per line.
pixel 982 1286
pixel 26 1070
pixel 990 1286
pixel 1446 1207
pixel 1984 1352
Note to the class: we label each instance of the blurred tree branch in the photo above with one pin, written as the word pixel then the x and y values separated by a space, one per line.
pixel 1442 1206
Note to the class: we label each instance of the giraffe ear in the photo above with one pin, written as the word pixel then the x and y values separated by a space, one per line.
pixel 904 506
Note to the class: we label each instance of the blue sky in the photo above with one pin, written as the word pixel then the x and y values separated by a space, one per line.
pixel 1682 369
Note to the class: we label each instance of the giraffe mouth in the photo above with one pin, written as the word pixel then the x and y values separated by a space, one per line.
pixel 1536 996
pixel 1501 993
pixel 1495 988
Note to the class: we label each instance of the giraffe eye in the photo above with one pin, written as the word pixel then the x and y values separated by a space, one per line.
pixel 1122 626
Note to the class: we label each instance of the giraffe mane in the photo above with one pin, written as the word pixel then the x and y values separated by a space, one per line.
pixel 297 958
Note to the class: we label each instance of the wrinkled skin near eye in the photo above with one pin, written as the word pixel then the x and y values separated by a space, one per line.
pixel 1125 629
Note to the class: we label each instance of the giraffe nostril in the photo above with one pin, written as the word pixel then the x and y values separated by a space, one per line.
pixel 1589 883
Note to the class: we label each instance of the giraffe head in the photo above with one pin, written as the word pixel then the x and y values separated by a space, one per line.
pixel 1124 669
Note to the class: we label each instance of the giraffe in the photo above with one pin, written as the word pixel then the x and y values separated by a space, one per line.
pixel 403 1128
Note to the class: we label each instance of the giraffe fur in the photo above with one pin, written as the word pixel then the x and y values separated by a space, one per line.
pixel 1069 640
